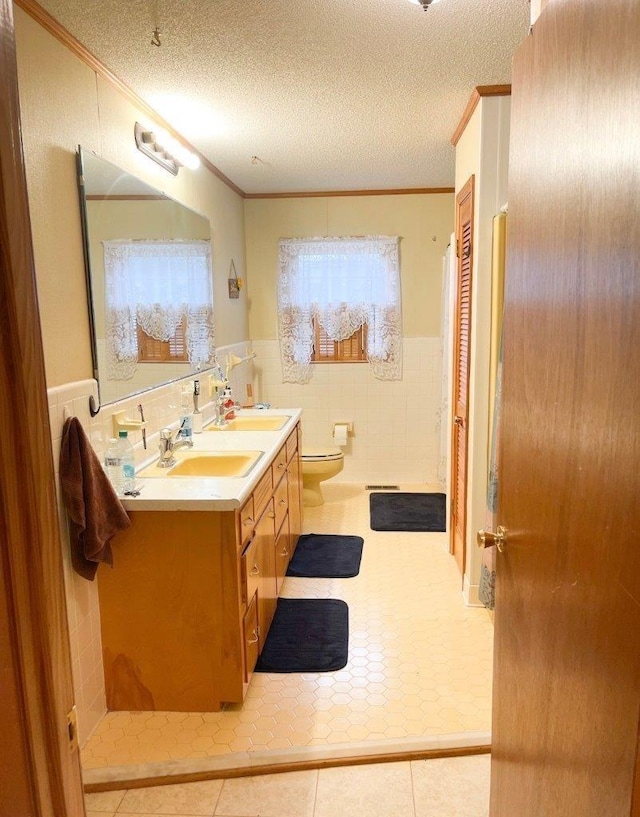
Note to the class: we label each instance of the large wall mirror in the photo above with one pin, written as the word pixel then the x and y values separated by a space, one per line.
pixel 149 281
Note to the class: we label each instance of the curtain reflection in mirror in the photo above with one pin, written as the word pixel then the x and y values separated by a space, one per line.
pixel 157 286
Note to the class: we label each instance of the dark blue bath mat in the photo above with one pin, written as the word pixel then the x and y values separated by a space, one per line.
pixel 307 635
pixel 408 512
pixel 326 556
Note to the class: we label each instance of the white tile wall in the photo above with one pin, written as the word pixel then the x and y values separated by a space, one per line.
pixel 396 435
pixel 161 408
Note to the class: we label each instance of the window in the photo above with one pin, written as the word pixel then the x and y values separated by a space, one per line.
pixel 351 350
pixel 340 291
pixel 159 304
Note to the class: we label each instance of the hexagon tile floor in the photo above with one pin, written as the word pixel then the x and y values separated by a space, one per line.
pixel 420 662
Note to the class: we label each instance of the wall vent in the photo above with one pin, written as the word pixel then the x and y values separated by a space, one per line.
pixel 382 487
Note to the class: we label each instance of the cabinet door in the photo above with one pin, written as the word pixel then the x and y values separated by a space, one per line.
pixel 250 571
pixel 294 486
pixel 247 520
pixel 250 631
pixel 281 500
pixel 282 553
pixel 267 593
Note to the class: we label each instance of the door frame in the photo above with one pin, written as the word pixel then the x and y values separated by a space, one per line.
pixel 44 776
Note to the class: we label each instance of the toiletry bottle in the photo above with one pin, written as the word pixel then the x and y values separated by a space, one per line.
pixel 113 465
pixel 228 403
pixel 186 417
pixel 197 414
pixel 127 458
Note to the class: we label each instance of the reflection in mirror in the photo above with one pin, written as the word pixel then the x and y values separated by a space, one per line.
pixel 149 281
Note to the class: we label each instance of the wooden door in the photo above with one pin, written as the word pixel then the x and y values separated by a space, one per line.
pixel 40 766
pixel 462 338
pixel 567 622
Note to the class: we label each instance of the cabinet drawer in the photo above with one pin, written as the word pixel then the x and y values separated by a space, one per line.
pixel 250 570
pixel 281 502
pixel 262 494
pixel 247 521
pixel 279 464
pixel 292 444
pixel 251 638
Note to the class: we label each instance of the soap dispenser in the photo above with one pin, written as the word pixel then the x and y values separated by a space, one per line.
pixel 228 403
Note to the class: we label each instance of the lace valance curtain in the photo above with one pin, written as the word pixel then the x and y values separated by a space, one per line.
pixel 343 283
pixel 157 284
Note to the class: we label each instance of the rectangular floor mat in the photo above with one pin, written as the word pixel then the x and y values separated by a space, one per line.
pixel 307 635
pixel 408 512
pixel 326 556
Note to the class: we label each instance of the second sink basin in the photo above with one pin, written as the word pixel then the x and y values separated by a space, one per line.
pixel 207 464
pixel 271 423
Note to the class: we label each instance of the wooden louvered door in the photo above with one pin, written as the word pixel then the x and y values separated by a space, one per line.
pixel 464 245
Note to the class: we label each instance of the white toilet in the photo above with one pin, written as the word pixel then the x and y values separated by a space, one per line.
pixel 318 464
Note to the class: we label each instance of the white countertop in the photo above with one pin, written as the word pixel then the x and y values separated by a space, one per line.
pixel 211 493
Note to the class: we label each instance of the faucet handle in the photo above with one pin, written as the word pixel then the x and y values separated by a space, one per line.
pixel 166 434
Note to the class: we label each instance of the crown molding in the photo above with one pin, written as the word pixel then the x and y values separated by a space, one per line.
pixel 41 16
pixel 403 191
pixel 50 24
pixel 478 92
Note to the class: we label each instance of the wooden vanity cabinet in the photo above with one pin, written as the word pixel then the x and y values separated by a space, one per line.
pixel 187 607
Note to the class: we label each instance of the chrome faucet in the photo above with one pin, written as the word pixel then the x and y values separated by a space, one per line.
pixel 169 443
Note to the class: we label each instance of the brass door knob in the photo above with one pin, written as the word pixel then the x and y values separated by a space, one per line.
pixel 487 539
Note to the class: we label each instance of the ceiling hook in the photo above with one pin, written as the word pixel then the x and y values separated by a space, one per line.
pixel 155 39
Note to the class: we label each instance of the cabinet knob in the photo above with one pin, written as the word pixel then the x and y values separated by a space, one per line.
pixel 254 637
pixel 281 465
pixel 255 570
pixel 271 515
pixel 248 521
pixel 284 552
pixel 282 502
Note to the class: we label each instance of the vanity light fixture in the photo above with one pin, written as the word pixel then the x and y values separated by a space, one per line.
pixel 164 149
pixel 424 3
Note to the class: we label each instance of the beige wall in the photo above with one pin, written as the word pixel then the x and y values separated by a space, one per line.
pixel 483 151
pixel 396 423
pixel 64 104
pixel 536 9
pixel 417 219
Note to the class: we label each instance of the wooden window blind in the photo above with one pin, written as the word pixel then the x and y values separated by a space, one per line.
pixel 351 350
pixel 173 350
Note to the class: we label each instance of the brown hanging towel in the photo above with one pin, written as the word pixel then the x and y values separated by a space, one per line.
pixel 95 512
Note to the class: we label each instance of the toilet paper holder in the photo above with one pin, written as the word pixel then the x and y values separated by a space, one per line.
pixel 338 427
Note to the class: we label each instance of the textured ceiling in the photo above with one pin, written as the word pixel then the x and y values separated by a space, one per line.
pixel 329 95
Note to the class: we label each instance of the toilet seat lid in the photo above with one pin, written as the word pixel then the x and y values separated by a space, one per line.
pixel 321 454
